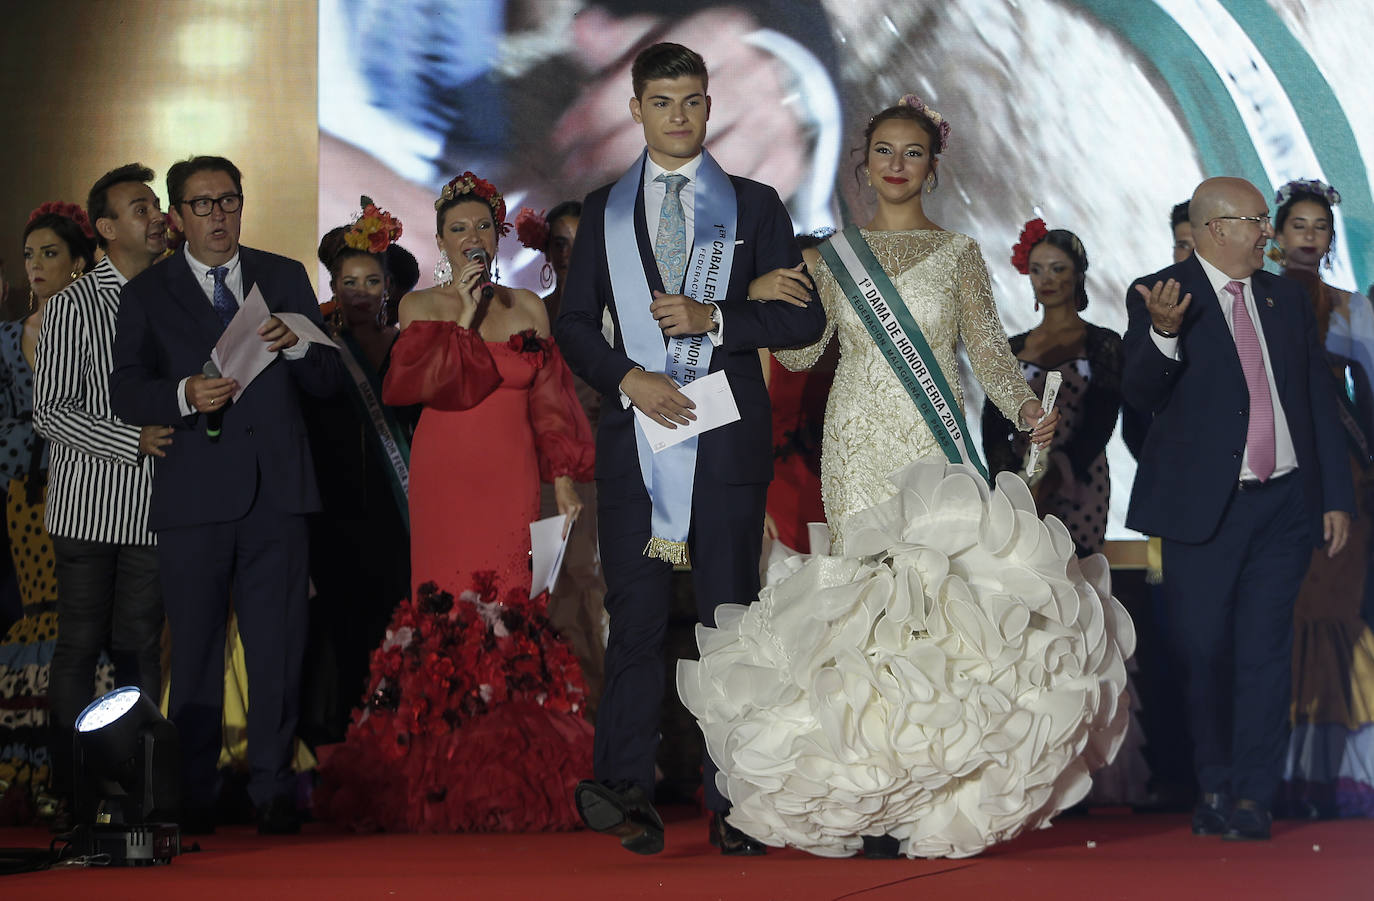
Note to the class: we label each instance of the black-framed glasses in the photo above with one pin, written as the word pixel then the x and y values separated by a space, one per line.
pixel 1261 221
pixel 228 203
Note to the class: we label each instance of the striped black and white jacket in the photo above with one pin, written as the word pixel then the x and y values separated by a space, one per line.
pixel 99 485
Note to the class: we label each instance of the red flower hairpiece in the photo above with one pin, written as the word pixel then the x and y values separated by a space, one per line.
pixel 374 230
pixel 68 210
pixel 469 183
pixel 1032 233
pixel 532 229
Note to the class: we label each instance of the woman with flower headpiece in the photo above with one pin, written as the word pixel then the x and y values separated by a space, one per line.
pixel 950 673
pixel 360 540
pixel 1330 767
pixel 1073 484
pixel 59 247
pixel 474 717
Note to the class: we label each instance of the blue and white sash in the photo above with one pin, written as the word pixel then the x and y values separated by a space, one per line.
pixel 669 474
pixel 904 346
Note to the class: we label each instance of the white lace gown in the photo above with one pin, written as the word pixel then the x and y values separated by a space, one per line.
pixel 952 674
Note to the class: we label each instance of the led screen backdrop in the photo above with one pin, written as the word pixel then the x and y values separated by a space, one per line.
pixel 1097 114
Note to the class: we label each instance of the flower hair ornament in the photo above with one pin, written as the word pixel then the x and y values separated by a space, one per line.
pixel 374 230
pixel 68 210
pixel 469 183
pixel 916 103
pixel 1300 186
pixel 1032 233
pixel 532 230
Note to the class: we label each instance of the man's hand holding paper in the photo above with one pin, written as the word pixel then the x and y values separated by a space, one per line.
pixel 713 404
pixel 253 338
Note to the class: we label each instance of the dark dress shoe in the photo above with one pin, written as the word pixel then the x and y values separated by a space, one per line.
pixel 1249 822
pixel 732 842
pixel 882 847
pixel 1211 814
pixel 279 817
pixel 621 809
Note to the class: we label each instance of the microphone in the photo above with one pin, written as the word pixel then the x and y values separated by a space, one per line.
pixel 477 253
pixel 214 420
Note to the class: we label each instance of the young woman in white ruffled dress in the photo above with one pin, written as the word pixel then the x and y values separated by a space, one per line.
pixel 949 675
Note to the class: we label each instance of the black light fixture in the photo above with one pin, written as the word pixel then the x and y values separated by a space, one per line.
pixel 128 780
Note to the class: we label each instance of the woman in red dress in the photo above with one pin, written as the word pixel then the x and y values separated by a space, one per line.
pixel 475 716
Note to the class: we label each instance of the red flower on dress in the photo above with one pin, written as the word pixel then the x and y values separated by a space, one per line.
pixel 1032 233
pixel 529 342
pixel 532 229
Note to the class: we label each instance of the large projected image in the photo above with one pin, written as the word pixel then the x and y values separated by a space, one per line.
pixel 1096 115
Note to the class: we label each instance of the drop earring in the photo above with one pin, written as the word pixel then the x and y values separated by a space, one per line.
pixel 931 182
pixel 546 275
pixel 443 270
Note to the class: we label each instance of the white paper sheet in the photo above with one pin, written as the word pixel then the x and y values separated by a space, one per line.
pixel 547 546
pixel 241 354
pixel 715 407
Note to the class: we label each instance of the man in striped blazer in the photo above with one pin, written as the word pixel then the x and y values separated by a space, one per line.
pixel 100 473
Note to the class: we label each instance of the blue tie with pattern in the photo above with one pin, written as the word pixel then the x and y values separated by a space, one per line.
pixel 670 247
pixel 225 305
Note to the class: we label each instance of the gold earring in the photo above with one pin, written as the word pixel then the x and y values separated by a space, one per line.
pixel 76 274
pixel 869 176
pixel 930 183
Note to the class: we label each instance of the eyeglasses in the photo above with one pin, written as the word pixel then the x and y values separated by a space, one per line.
pixel 228 203
pixel 1258 220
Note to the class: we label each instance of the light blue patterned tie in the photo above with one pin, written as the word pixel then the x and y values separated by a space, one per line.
pixel 670 247
pixel 225 305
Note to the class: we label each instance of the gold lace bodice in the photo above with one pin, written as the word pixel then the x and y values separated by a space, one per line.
pixel 872 428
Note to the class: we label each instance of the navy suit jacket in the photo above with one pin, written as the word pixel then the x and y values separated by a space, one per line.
pixel 738 453
pixel 165 332
pixel 1191 459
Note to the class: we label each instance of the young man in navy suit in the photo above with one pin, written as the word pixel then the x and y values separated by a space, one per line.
pixel 672 249
pixel 228 509
pixel 1242 472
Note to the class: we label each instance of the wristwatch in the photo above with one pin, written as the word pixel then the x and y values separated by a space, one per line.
pixel 1161 333
pixel 715 319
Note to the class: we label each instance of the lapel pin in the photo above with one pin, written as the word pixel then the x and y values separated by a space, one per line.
pixel 1269 301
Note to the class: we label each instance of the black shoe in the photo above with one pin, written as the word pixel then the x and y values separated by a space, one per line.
pixel 1249 822
pixel 732 842
pixel 882 847
pixel 1210 815
pixel 621 809
pixel 197 820
pixel 279 817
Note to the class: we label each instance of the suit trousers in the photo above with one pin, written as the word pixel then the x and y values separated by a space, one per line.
pixel 1230 600
pixel 108 595
pixel 725 542
pixel 260 562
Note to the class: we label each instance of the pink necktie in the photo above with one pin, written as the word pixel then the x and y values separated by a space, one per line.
pixel 1259 438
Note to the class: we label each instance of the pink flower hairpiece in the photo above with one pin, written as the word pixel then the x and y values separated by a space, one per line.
pixel 532 229
pixel 916 103
pixel 67 210
pixel 1032 233
pixel 1307 186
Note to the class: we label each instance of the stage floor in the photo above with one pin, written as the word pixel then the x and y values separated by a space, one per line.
pixel 1102 856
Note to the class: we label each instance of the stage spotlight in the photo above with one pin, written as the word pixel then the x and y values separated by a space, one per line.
pixel 128 780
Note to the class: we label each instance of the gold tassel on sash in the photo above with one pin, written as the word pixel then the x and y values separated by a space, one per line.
pixel 1154 560
pixel 674 552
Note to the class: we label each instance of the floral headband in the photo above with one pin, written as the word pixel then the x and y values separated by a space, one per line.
pixel 1032 233
pixel 374 230
pixel 67 210
pixel 919 106
pixel 1314 186
pixel 469 183
pixel 532 229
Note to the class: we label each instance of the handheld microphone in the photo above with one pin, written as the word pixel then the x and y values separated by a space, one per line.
pixel 214 420
pixel 477 253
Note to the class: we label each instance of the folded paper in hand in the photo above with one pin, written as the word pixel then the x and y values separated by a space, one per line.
pixel 715 407
pixel 547 546
pixel 241 354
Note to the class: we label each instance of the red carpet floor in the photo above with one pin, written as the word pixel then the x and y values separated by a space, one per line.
pixel 1096 857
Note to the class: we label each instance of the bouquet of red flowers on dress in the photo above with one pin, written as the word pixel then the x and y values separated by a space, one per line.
pixel 472 721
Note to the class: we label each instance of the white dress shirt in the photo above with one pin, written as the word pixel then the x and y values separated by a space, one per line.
pixel 233 281
pixel 1285 457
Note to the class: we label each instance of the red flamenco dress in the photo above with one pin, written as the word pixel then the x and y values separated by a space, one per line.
pixel 474 717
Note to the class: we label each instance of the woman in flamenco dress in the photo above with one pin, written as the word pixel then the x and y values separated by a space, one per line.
pixel 474 721
pixel 951 672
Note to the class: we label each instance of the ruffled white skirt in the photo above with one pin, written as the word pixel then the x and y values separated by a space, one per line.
pixel 950 681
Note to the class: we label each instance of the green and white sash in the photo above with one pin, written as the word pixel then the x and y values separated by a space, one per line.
pixel 385 432
pixel 881 309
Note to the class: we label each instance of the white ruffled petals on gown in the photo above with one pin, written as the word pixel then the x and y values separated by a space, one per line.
pixel 950 681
